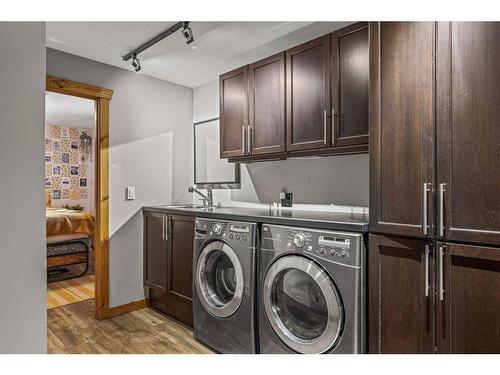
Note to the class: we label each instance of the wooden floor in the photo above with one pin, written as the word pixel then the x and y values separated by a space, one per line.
pixel 70 291
pixel 73 329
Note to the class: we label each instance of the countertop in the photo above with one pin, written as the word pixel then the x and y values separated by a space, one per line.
pixel 354 222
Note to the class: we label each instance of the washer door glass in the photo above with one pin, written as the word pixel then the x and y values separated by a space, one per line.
pixel 302 304
pixel 219 279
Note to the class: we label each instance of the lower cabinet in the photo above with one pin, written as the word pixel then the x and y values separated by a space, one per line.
pixel 168 262
pixel 426 298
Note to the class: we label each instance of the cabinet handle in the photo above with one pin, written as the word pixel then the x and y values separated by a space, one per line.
pixel 249 140
pixel 425 226
pixel 441 266
pixel 243 139
pixel 167 229
pixel 324 127
pixel 163 228
pixel 427 251
pixel 442 189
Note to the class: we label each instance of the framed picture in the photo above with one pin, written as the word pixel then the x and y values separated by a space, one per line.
pixel 83 182
pixel 56 194
pixel 74 169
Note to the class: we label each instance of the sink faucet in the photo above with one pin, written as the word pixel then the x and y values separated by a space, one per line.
pixel 207 199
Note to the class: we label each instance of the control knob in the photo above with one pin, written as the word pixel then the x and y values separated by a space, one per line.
pixel 299 239
pixel 217 228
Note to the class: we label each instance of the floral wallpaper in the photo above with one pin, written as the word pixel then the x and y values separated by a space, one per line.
pixel 66 171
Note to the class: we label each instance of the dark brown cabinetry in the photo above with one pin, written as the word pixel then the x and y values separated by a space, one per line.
pixel 468 309
pixel 292 96
pixel 308 95
pixel 233 100
pixel 168 262
pixel 468 130
pixel 350 82
pixel 267 106
pixel 400 296
pixel 401 127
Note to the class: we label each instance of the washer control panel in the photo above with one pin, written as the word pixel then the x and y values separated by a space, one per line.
pixel 339 247
pixel 231 231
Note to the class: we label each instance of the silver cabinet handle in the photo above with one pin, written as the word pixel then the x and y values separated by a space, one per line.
pixel 249 139
pixel 427 251
pixel 243 139
pixel 167 229
pixel 163 228
pixel 333 126
pixel 442 189
pixel 441 277
pixel 324 127
pixel 425 226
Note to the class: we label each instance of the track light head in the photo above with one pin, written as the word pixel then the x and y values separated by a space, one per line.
pixel 188 33
pixel 136 63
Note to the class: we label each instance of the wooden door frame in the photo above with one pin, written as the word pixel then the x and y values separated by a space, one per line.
pixel 101 97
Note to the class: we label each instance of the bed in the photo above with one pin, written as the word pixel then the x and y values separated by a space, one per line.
pixel 69 242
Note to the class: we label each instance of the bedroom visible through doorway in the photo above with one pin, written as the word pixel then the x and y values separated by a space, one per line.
pixel 70 197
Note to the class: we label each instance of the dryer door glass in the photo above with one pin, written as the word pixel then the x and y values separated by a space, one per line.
pixel 219 279
pixel 302 304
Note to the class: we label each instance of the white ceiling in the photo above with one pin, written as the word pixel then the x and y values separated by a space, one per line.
pixel 70 111
pixel 218 46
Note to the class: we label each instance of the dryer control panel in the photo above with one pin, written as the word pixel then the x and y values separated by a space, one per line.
pixel 339 247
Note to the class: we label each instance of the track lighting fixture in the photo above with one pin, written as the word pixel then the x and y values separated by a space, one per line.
pixel 188 33
pixel 136 63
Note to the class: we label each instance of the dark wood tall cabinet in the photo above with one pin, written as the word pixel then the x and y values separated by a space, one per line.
pixel 266 133
pixel 435 157
pixel 468 131
pixel 168 259
pixel 401 127
pixel 308 95
pixel 233 101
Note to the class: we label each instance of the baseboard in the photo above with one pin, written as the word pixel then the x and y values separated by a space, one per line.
pixel 123 309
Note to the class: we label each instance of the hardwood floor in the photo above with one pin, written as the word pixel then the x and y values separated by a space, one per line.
pixel 73 329
pixel 70 291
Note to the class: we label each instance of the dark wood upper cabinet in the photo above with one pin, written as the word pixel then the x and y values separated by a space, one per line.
pixel 168 264
pixel 468 130
pixel 469 309
pixel 267 105
pixel 155 252
pixel 233 100
pixel 350 83
pixel 401 127
pixel 401 315
pixel 308 95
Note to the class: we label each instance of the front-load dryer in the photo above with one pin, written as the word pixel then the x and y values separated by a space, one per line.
pixel 224 278
pixel 311 291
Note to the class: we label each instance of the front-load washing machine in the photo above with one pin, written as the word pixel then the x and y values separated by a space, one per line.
pixel 224 278
pixel 311 291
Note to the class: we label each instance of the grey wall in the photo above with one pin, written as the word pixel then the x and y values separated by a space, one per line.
pixel 23 318
pixel 151 148
pixel 341 180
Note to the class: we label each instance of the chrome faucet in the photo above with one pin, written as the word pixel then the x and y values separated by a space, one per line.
pixel 207 199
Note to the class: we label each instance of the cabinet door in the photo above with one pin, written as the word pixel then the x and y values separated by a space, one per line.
pixel 155 252
pixel 400 310
pixel 469 309
pixel 233 100
pixel 308 95
pixel 401 127
pixel 468 130
pixel 267 105
pixel 350 82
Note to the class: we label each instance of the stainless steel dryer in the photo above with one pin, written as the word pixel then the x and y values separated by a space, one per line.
pixel 311 291
pixel 224 295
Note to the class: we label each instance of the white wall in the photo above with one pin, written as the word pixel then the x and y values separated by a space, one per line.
pixel 151 148
pixel 339 180
pixel 23 318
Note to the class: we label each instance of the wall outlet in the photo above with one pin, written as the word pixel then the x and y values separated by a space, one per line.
pixel 130 193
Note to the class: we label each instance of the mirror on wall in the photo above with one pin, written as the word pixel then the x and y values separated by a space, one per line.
pixel 209 168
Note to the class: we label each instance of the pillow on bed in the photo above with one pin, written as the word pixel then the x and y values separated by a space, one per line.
pixel 47 198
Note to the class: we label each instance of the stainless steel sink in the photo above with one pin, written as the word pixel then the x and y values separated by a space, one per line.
pixel 193 206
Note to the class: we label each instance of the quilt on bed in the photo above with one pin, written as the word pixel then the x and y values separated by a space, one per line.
pixel 61 221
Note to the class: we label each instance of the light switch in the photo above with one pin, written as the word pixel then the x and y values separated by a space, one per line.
pixel 130 193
